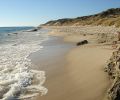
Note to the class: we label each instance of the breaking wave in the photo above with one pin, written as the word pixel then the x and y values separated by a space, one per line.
pixel 17 79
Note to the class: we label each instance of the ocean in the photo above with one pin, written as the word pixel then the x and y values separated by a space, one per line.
pixel 17 80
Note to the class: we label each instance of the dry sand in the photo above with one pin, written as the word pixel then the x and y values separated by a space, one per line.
pixel 78 73
pixel 85 68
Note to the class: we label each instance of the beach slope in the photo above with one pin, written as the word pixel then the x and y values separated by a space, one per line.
pixel 79 73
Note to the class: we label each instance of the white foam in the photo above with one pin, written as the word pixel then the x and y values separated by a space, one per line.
pixel 16 77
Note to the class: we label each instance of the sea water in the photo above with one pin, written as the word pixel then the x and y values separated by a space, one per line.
pixel 17 80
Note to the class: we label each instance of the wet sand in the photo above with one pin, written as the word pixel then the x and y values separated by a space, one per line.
pixel 73 73
pixel 52 60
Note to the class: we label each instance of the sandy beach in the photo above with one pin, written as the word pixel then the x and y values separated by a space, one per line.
pixel 60 50
pixel 74 73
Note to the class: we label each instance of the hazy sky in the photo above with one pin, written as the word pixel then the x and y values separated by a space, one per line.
pixel 35 12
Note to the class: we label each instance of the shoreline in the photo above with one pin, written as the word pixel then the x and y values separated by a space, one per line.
pixel 52 60
pixel 17 80
pixel 66 66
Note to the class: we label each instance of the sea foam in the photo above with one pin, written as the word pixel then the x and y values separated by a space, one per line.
pixel 17 79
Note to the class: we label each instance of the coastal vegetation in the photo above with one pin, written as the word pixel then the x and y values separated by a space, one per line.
pixel 110 17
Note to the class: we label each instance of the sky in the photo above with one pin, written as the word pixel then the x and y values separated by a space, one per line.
pixel 36 12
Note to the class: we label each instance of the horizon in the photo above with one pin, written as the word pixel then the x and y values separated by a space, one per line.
pixel 16 26
pixel 20 13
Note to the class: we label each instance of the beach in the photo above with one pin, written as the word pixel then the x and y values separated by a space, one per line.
pixel 74 72
pixel 60 50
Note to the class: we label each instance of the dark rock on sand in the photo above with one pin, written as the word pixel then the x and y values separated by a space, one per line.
pixel 82 42
pixel 34 30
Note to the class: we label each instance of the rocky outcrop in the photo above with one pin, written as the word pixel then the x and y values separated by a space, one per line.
pixel 113 69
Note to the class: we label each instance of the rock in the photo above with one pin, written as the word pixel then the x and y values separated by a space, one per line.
pixel 82 42
pixel 113 69
pixel 34 30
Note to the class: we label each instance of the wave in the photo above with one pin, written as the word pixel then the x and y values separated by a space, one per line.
pixel 17 79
